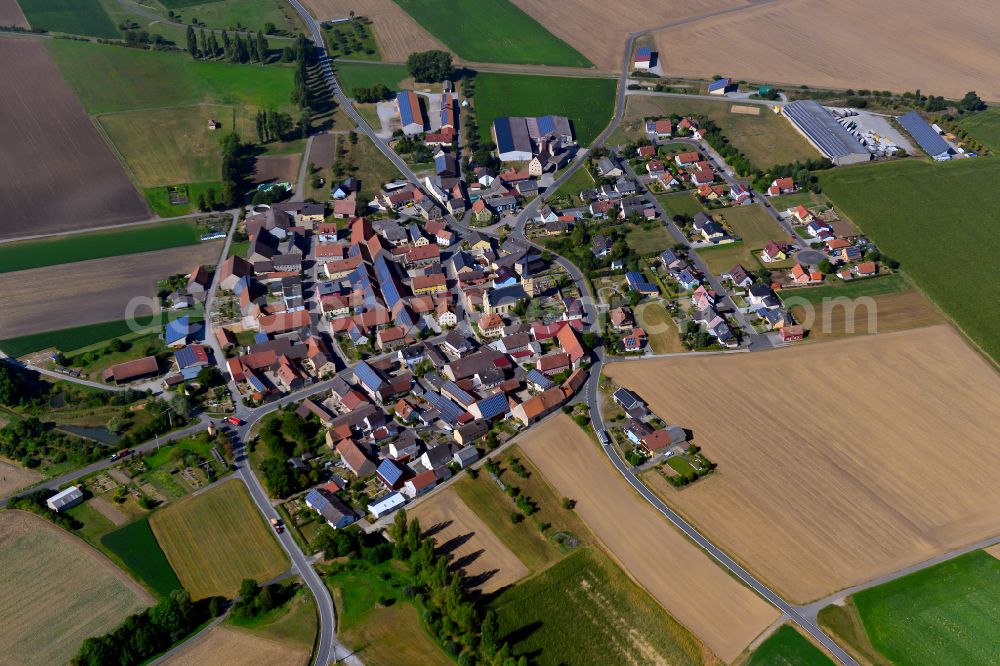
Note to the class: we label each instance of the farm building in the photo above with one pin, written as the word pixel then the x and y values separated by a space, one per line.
pixel 721 87
pixel 131 370
pixel 645 58
pixel 386 505
pixel 410 113
pixel 517 139
pixel 827 136
pixel 929 140
pixel 65 499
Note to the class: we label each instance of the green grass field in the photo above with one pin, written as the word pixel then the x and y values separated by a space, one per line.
pixel 78 17
pixel 580 180
pixel 837 288
pixel 96 245
pixel 945 614
pixel 65 339
pixel 158 198
pixel 984 127
pixel 210 556
pixel 753 224
pixel 492 31
pixel 137 548
pixel 586 607
pixel 346 40
pixel 766 139
pixel 252 14
pixel 939 221
pixel 588 103
pixel 359 75
pixel 650 241
pixel 173 145
pixel 787 647
pixel 681 204
pixel 109 78
pixel 293 623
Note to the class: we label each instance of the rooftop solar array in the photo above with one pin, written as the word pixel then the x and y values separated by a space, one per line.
pixel 367 375
pixel 390 472
pixel 539 379
pixel 823 130
pixel 493 406
pixel 449 411
pixel 458 392
pixel 638 282
pixel 929 140
pixel 387 282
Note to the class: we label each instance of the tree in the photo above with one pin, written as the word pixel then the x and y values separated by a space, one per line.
pixel 825 267
pixel 489 638
pixel 262 46
pixel 203 44
pixel 972 102
pixel 192 42
pixel 430 66
pixel 213 45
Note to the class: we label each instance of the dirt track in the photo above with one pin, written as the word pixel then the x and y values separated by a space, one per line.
pixel 486 561
pixel 714 606
pixel 87 292
pixel 57 172
pixel 838 462
pixel 893 44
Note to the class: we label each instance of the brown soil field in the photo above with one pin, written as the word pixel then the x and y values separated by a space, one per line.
pixel 13 477
pixel 229 647
pixel 780 43
pixel 487 563
pixel 745 110
pixel 55 592
pixel 58 174
pixel 321 152
pixel 994 551
pixel 896 312
pixel 87 292
pixel 398 35
pixel 599 32
pixel 277 168
pixel 862 456
pixel 11 14
pixel 703 597
pixel 108 510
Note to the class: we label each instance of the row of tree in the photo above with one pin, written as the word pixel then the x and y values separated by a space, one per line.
pixel 371 94
pixel 236 49
pixel 273 125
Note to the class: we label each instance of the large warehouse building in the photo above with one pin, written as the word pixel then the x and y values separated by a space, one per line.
pixel 929 140
pixel 517 139
pixel 826 135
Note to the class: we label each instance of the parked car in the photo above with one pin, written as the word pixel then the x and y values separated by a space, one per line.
pixel 236 421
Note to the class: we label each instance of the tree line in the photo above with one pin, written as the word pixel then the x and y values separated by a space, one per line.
pixel 148 632
pixel 237 49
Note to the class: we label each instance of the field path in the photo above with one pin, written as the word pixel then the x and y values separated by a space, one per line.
pixel 720 611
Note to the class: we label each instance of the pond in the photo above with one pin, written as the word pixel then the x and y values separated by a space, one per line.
pixel 102 435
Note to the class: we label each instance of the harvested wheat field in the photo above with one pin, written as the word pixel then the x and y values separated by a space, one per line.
pixel 894 44
pixel 58 174
pixel 11 14
pixel 600 34
pixel 861 457
pixel 223 646
pixel 717 608
pixel 488 564
pixel 87 292
pixel 896 312
pixel 398 35
pixel 55 592
pixel 13 477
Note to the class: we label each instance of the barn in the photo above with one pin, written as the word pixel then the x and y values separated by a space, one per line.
pixel 825 134
pixel 410 113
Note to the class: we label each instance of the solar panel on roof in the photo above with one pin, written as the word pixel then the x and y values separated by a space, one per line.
pixel 367 375
pixel 256 382
pixel 643 51
pixel 460 394
pixel 317 501
pixel 388 471
pixel 818 124
pixel 715 85
pixel 539 379
pixel 929 140
pixel 405 108
pixel 493 406
pixel 449 411
pixel 504 137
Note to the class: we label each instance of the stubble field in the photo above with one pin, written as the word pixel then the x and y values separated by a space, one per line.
pixel 215 540
pixel 600 33
pixel 488 564
pixel 11 14
pixel 398 35
pixel 780 42
pixel 860 457
pixel 715 607
pixel 55 592
pixel 87 292
pixel 14 477
pixel 223 646
pixel 57 172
